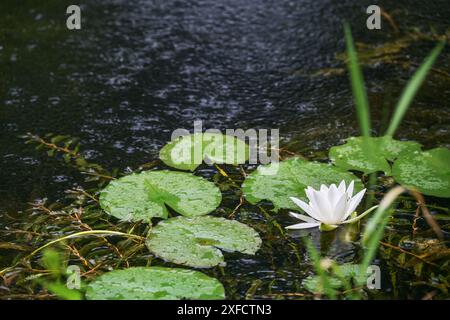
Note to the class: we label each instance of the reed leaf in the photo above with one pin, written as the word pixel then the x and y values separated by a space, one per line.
pixel 411 89
pixel 374 230
pixel 357 83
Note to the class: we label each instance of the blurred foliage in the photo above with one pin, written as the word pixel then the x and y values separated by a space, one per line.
pixel 57 272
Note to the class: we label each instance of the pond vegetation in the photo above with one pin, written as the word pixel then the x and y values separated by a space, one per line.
pixel 169 220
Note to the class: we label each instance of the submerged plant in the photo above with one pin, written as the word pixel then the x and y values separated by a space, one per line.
pixel 328 207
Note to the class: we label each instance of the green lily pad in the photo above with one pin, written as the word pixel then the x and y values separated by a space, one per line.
pixel 188 152
pixel 427 172
pixel 154 283
pixel 291 179
pixel 314 284
pixel 143 196
pixel 196 241
pixel 370 154
pixel 346 271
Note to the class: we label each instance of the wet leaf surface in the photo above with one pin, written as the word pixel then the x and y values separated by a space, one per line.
pixel 197 241
pixel 370 154
pixel 145 195
pixel 290 180
pixel 155 283
pixel 188 152
pixel 427 172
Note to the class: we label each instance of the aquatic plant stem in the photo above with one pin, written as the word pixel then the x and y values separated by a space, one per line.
pixel 71 236
pixel 362 215
pixel 85 233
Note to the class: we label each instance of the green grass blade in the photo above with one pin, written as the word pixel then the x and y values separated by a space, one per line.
pixel 357 82
pixel 411 89
pixel 374 230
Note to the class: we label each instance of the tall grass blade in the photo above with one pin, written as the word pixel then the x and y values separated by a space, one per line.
pixel 357 82
pixel 374 230
pixel 411 89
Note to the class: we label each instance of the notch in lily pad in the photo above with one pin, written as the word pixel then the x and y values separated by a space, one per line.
pixel 146 195
pixel 291 179
pixel 155 283
pixel 371 154
pixel 189 151
pixel 198 241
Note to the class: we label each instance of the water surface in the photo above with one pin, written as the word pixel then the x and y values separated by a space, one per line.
pixel 140 69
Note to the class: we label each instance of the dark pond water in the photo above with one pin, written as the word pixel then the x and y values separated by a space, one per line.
pixel 140 69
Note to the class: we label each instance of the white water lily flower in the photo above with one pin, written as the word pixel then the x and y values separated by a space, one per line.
pixel 328 207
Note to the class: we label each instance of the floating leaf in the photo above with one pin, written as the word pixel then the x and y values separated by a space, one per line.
pixel 145 195
pixel 196 241
pixel 314 284
pixel 346 271
pixel 154 283
pixel 427 172
pixel 290 180
pixel 188 152
pixel 370 155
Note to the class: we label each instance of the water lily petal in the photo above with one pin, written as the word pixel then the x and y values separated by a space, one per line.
pixel 305 207
pixel 339 210
pixel 350 189
pixel 324 193
pixel 302 217
pixel 354 202
pixel 312 202
pixel 309 193
pixel 321 205
pixel 303 225
pixel 334 195
pixel 341 187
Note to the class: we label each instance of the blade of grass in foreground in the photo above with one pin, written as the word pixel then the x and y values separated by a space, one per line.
pixel 411 89
pixel 357 82
pixel 374 230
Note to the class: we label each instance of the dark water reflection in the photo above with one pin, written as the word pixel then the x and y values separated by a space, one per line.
pixel 140 69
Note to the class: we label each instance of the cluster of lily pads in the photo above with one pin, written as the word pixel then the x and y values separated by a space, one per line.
pixel 191 239
pixel 427 172
pixel 195 239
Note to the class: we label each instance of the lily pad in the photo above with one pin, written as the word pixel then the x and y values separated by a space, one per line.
pixel 154 283
pixel 346 271
pixel 196 241
pixel 370 154
pixel 143 196
pixel 427 172
pixel 314 284
pixel 188 152
pixel 291 179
